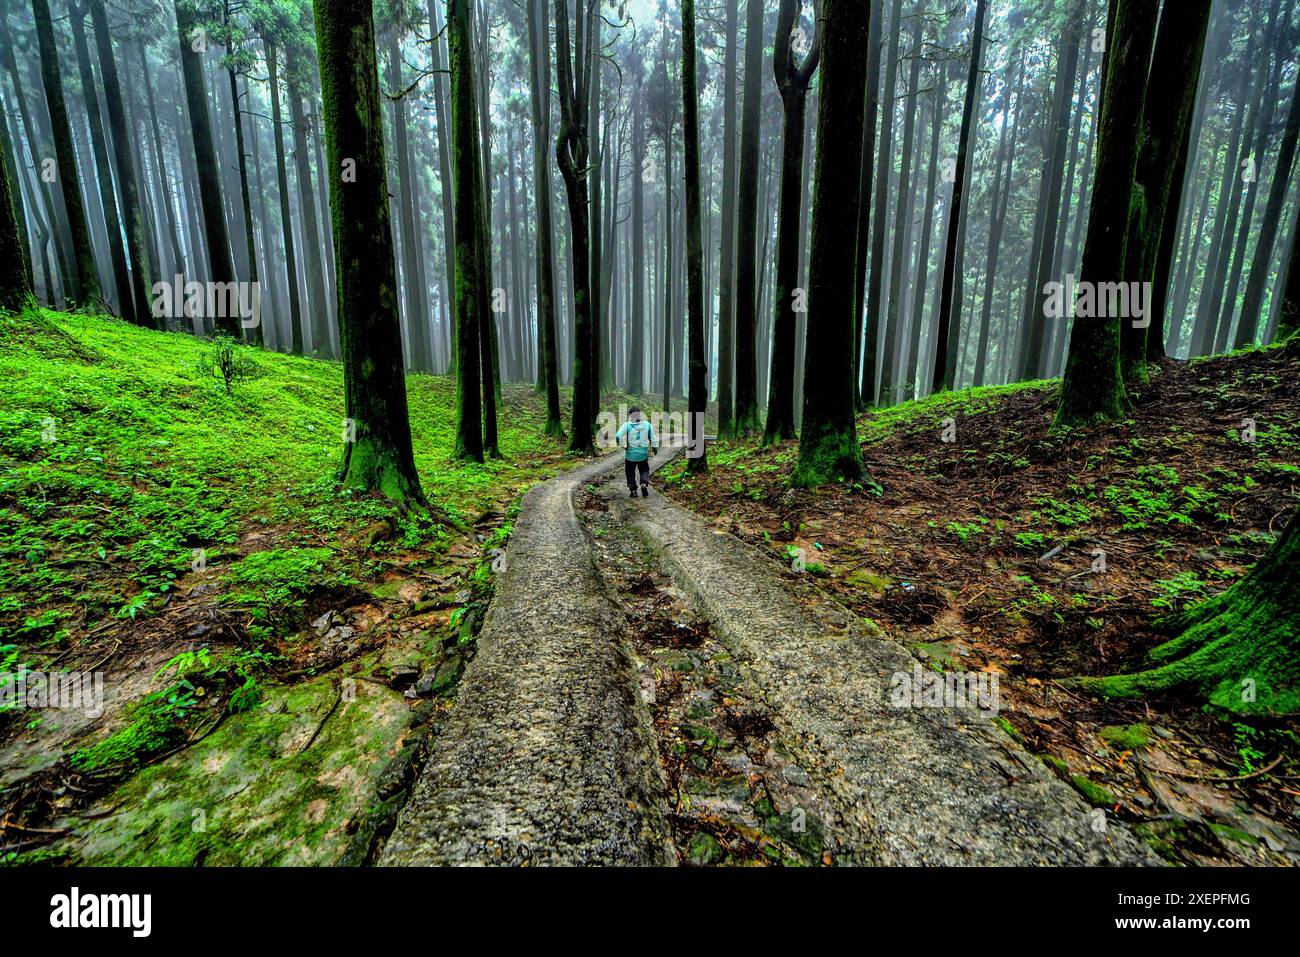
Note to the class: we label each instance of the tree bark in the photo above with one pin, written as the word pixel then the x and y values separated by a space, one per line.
pixel 948 333
pixel 374 387
pixel 698 389
pixel 221 269
pixel 1248 324
pixel 828 445
pixel 1093 388
pixel 85 280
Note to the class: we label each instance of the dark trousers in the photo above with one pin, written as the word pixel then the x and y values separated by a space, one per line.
pixel 631 468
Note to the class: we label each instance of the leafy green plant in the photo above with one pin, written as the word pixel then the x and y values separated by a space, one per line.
pixel 227 360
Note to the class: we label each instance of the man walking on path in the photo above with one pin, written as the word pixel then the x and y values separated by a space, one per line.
pixel 639 442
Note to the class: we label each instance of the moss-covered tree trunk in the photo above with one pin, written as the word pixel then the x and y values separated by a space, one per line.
pixel 221 266
pixel 15 281
pixel 85 282
pixel 828 446
pixel 539 33
pixel 1175 75
pixel 1093 390
pixel 698 382
pixel 1240 650
pixel 471 369
pixel 379 456
pixel 792 80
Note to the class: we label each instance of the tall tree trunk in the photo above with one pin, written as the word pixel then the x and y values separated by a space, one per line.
pixel 417 319
pixel 1175 75
pixel 998 218
pixel 828 445
pixel 1093 388
pixel 1250 190
pixel 286 221
pixel 572 154
pixel 866 184
pixel 442 111
pixel 1212 286
pixel 669 262
pixel 209 175
pixel 539 32
pixel 636 329
pixel 15 281
pixel 45 213
pixel 473 366
pixel 245 195
pixel 902 229
pixel 107 191
pixel 85 279
pixel 1288 316
pixel 380 457
pixel 168 210
pixel 884 168
pixel 727 246
pixel 1248 325
pixel 1033 363
pixel 125 164
pixel 792 79
pixel 698 390
pixel 746 413
pixel 948 333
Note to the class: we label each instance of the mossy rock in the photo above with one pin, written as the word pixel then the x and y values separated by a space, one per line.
pixel 1093 793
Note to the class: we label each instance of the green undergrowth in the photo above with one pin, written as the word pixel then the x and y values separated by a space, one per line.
pixel 126 463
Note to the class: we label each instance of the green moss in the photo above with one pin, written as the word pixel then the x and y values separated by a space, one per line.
pixel 1056 764
pixel 1127 737
pixel 1234 834
pixel 118 451
pixel 1010 730
pixel 1094 794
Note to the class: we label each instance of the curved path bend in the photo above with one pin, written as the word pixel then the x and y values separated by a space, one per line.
pixel 548 755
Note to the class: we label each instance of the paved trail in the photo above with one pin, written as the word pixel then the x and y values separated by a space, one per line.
pixel 549 755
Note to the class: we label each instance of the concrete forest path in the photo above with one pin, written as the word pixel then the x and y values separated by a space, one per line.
pixel 547 756
pixel 550 754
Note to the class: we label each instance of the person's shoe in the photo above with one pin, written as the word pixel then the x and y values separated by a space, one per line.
pixel 632 494
pixel 645 491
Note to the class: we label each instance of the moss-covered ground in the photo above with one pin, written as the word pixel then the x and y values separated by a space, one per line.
pixel 267 637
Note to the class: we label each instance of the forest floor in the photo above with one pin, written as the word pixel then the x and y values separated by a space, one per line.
pixel 984 554
pixel 270 643
pixel 542 670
